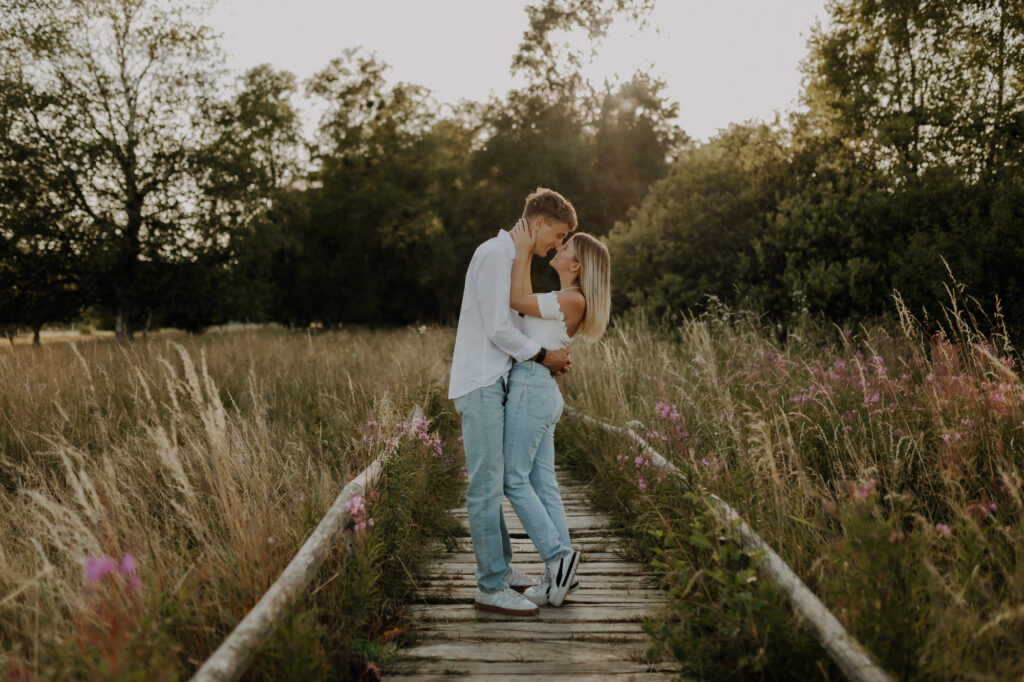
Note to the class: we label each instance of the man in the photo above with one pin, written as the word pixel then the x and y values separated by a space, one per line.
pixel 487 341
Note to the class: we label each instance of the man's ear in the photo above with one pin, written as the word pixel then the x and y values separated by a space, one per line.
pixel 538 223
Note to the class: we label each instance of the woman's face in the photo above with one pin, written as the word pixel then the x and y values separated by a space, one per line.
pixel 565 256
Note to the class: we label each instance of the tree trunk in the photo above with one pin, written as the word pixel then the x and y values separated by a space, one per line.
pixel 122 320
pixel 35 336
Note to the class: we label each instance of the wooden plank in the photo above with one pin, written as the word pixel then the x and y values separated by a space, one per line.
pixel 569 612
pixel 596 634
pixel 492 669
pixel 466 566
pixel 531 651
pixel 586 591
pixel 596 557
pixel 579 597
pixel 607 582
pixel 602 676
pixel 527 629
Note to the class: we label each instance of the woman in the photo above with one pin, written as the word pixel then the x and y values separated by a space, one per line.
pixel 534 405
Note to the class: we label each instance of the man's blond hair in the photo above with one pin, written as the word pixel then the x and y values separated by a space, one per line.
pixel 550 204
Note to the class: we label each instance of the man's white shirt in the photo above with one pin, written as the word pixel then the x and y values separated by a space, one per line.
pixel 488 337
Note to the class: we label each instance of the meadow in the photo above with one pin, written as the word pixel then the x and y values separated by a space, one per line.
pixel 883 463
pixel 150 493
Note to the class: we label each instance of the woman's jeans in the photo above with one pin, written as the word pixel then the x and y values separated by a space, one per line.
pixel 483 421
pixel 533 408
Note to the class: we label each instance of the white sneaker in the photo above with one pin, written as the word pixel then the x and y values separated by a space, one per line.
pixel 538 593
pixel 518 580
pixel 508 602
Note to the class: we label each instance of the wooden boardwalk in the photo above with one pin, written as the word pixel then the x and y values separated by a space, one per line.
pixel 595 635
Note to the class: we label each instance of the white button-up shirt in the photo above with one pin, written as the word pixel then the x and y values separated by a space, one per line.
pixel 488 337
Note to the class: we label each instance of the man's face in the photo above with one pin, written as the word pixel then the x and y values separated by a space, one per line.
pixel 550 235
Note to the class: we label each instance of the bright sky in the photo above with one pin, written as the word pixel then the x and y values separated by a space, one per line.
pixel 723 60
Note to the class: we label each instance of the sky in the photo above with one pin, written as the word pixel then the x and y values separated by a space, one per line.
pixel 723 61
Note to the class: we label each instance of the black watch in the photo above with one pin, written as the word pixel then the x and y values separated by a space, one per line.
pixel 539 357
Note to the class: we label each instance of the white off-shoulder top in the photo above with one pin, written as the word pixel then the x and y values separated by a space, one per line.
pixel 549 329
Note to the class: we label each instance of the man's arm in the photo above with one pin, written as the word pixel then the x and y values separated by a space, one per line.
pixel 493 283
pixel 493 279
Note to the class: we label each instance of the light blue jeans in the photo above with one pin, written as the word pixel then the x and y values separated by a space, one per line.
pixel 534 407
pixel 483 425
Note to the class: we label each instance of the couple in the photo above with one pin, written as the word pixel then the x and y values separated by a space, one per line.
pixel 509 346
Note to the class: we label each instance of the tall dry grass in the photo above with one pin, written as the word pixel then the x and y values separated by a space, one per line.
pixel 208 460
pixel 884 464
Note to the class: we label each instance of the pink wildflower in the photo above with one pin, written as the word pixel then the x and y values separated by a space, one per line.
pixel 98 568
pixel 943 529
pixel 862 492
pixel 354 506
pixel 128 565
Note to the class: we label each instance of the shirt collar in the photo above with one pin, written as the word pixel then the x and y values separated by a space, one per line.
pixel 506 242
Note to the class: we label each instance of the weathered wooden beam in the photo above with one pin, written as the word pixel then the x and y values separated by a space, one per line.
pixel 236 653
pixel 848 654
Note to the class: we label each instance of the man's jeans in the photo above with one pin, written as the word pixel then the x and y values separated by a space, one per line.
pixel 483 420
pixel 534 407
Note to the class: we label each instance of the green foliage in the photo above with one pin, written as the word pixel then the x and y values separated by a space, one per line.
pixel 696 230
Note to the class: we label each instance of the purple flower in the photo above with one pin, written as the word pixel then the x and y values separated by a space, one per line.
pixel 943 529
pixel 128 565
pixel 98 568
pixel 354 506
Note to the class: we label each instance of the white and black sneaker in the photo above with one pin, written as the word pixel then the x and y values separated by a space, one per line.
pixel 538 593
pixel 508 602
pixel 562 573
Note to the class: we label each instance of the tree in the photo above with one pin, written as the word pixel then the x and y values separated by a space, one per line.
pixel 905 85
pixel 40 239
pixel 113 99
pixel 694 233
pixel 253 155
pixel 553 68
pixel 365 243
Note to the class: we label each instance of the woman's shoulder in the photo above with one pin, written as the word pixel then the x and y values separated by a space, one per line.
pixel 571 301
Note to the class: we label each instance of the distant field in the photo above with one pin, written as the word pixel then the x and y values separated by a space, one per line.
pixel 66 335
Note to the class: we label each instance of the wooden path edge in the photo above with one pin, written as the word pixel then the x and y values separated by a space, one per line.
pixel 855 662
pixel 237 652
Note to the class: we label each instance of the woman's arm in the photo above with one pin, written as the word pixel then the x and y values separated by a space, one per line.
pixel 521 296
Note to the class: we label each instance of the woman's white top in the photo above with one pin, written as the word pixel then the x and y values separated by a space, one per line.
pixel 549 329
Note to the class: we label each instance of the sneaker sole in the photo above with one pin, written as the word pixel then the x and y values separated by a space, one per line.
pixel 572 588
pixel 506 612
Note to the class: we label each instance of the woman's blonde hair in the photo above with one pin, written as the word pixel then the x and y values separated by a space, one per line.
pixel 596 284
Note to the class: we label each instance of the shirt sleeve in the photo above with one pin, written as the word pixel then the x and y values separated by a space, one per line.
pixel 493 285
pixel 549 307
